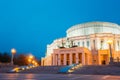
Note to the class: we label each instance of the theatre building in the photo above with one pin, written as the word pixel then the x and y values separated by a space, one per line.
pixel 91 43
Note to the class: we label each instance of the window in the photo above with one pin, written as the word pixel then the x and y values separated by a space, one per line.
pixel 78 43
pixel 118 43
pixel 101 44
pixel 87 43
pixel 83 43
pixel 94 43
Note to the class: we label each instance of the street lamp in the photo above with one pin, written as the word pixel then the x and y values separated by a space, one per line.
pixel 111 58
pixel 13 51
pixel 29 60
pixel 33 62
pixel 31 56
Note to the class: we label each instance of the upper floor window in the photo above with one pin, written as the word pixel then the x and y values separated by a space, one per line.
pixel 83 43
pixel 88 44
pixel 94 43
pixel 78 43
pixel 118 43
pixel 101 43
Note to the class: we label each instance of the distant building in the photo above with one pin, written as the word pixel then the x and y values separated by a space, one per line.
pixel 85 43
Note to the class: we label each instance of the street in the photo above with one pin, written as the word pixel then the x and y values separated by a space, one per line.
pixel 17 76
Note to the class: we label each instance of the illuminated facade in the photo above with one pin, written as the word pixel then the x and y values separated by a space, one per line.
pixel 85 43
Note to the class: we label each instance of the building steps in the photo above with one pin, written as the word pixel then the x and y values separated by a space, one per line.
pixel 43 69
pixel 103 69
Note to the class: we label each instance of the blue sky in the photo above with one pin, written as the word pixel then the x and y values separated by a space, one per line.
pixel 29 25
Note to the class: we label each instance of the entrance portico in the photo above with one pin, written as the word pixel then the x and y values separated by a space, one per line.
pixel 68 56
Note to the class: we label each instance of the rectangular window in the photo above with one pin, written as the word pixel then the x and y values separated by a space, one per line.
pixel 87 43
pixel 118 43
pixel 78 43
pixel 102 44
pixel 83 43
pixel 94 43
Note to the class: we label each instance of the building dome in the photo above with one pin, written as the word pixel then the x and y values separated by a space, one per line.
pixel 92 28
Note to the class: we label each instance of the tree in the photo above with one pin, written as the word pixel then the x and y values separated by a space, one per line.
pixel 21 60
pixel 0 57
pixel 5 58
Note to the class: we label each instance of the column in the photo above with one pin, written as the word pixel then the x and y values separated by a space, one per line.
pixel 98 44
pixel 77 59
pixel 83 58
pixel 70 58
pixel 99 59
pixel 88 61
pixel 56 59
pixel 53 60
pixel 59 59
pixel 65 59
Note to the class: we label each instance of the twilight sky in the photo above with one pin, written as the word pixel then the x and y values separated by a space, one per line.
pixel 29 25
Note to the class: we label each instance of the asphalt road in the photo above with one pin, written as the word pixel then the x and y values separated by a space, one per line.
pixel 18 76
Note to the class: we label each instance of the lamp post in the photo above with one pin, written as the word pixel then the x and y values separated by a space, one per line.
pixel 31 56
pixel 13 51
pixel 111 58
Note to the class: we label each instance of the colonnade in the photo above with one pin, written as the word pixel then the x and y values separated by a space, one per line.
pixel 70 58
